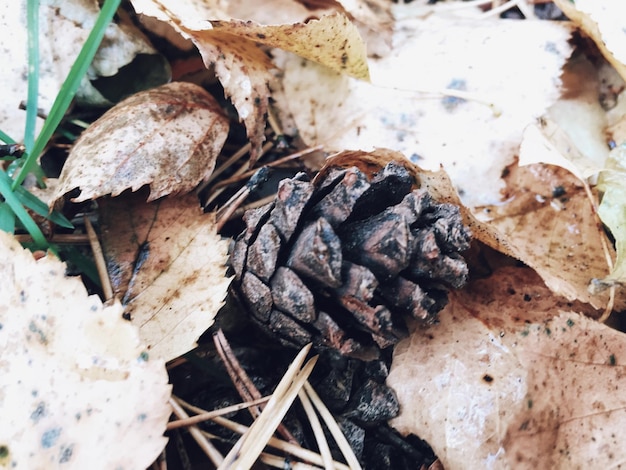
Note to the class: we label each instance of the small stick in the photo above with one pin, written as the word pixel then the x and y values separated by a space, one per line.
pixel 206 416
pixel 318 432
pixel 96 248
pixel 59 238
pixel 333 427
pixel 202 441
pixel 280 161
pixel 292 449
pixel 246 451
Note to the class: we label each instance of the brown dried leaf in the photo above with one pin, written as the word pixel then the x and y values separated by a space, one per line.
pixel 552 226
pixel 78 389
pixel 245 70
pixel 168 137
pixel 167 263
pixel 512 378
pixel 598 20
pixel 411 112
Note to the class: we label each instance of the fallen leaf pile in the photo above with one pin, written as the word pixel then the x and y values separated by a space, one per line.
pixel 520 122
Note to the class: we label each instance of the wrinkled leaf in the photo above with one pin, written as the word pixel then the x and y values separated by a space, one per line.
pixel 244 69
pixel 601 21
pixel 512 377
pixel 551 223
pixel 472 141
pixel 168 138
pixel 78 388
pixel 167 264
pixel 63 28
pixel 612 209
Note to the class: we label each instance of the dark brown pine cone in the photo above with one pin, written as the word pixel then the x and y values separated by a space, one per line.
pixel 341 261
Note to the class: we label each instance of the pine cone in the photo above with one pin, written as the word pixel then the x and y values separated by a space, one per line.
pixel 341 261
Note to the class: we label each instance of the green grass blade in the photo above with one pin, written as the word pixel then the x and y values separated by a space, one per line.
pixel 69 87
pixel 32 22
pixel 7 218
pixel 29 224
pixel 39 207
pixel 6 138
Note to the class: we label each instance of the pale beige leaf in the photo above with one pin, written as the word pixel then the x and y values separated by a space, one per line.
pixel 550 222
pixel 513 378
pixel 168 137
pixel 167 263
pixel 332 41
pixel 602 21
pixel 63 28
pixel 244 69
pixel 473 58
pixel 78 389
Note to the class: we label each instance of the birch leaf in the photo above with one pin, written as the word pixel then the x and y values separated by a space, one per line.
pixel 78 388
pixel 513 377
pixel 168 267
pixel 168 137
pixel 244 69
pixel 411 112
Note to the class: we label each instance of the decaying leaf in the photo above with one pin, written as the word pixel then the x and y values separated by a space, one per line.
pixel 78 388
pixel 612 210
pixel 167 264
pixel 550 222
pixel 460 131
pixel 245 70
pixel 168 137
pixel 599 21
pixel 512 377
pixel 63 28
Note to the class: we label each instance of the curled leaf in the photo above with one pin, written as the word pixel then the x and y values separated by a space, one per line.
pixel 168 137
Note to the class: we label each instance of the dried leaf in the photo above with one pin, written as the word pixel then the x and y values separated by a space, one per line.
pixel 612 210
pixel 598 20
pixel 512 378
pixel 168 137
pixel 63 28
pixel 168 264
pixel 78 388
pixel 552 226
pixel 244 69
pixel 473 143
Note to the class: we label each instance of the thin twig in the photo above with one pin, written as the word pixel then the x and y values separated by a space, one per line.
pixel 199 418
pixel 333 427
pixel 280 161
pixel 318 432
pixel 276 443
pixel 246 451
pixel 212 453
pixel 98 256
pixel 246 388
pixel 59 238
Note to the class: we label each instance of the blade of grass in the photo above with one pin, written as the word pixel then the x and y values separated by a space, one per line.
pixel 69 87
pixel 6 138
pixel 23 216
pixel 39 207
pixel 32 22
pixel 7 218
